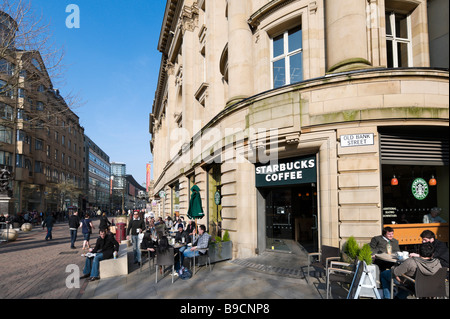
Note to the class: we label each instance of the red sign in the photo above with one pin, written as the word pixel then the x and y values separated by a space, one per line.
pixel 148 176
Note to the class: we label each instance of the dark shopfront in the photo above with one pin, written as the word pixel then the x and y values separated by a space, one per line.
pixel 287 203
pixel 414 177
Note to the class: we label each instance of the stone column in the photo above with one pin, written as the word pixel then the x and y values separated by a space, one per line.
pixel 346 35
pixel 240 70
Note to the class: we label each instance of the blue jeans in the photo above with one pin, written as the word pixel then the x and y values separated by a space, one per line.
pixel 73 237
pixel 92 265
pixel 49 233
pixel 385 279
pixel 187 253
pixel 136 248
pixel 181 251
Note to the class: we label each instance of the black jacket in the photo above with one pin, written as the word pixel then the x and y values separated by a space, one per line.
pixel 134 224
pixel 106 246
pixel 49 221
pixel 104 222
pixel 179 236
pixel 74 221
pixel 441 252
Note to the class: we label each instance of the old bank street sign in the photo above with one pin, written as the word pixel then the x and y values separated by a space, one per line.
pixel 289 171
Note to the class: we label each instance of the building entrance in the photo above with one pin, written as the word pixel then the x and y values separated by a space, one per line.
pixel 291 217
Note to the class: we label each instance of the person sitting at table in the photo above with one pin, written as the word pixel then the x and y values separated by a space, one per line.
pixel 180 234
pixel 379 244
pixel 190 228
pixel 440 248
pixel 425 263
pixel 433 216
pixel 163 247
pixel 199 247
pixel 148 244
pixel 104 248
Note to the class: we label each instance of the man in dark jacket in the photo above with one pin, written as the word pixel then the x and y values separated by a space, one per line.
pixel 135 227
pixel 74 223
pixel 49 221
pixel 104 248
pixel 440 248
pixel 425 263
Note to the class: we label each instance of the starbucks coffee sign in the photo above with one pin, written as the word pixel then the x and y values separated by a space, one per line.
pixel 419 188
pixel 286 172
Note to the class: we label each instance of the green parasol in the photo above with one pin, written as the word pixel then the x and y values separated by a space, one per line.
pixel 195 210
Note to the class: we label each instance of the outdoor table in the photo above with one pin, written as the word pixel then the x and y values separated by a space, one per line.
pixel 392 258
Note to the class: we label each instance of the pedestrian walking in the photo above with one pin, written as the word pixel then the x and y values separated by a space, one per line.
pixel 86 229
pixel 74 223
pixel 136 226
pixel 49 221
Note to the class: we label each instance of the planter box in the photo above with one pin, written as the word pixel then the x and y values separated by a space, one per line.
pixel 224 253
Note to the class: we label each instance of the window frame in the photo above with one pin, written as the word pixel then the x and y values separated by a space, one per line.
pixel 391 15
pixel 286 56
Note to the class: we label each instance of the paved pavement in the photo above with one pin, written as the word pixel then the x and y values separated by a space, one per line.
pixel 32 268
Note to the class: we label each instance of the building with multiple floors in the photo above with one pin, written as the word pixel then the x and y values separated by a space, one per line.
pixel 98 175
pixel 41 140
pixel 309 121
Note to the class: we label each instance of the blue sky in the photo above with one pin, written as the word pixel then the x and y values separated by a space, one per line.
pixel 111 62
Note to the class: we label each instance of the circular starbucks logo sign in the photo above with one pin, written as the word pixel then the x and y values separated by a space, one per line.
pixel 419 188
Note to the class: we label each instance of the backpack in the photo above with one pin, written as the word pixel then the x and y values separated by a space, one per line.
pixel 185 273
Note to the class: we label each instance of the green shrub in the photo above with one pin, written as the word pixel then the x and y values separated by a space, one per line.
pixel 365 254
pixel 352 248
pixel 226 236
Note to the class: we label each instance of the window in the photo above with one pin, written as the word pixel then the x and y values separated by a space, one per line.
pixel 5 158
pixel 39 144
pixel 287 58
pixel 398 40
pixel 5 89
pixel 38 167
pixel 6 111
pixel 6 134
pixel 6 67
pixel 36 64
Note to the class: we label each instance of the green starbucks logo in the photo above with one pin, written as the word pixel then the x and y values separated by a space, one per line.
pixel 419 188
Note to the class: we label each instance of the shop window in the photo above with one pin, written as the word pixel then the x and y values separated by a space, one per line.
pixel 176 200
pixel 214 210
pixel 287 57
pixel 408 194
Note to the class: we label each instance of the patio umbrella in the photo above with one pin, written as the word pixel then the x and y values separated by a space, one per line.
pixel 195 204
pixel 195 210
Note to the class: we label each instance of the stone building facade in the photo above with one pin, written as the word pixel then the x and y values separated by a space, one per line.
pixel 298 113
pixel 41 140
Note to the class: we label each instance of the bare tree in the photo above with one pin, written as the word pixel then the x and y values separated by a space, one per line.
pixel 29 65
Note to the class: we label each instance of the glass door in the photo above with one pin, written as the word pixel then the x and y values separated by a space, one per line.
pixel 279 219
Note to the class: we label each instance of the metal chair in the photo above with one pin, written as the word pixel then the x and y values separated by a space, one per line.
pixel 321 259
pixel 206 256
pixel 423 286
pixel 166 259
pixel 340 272
pixel 150 258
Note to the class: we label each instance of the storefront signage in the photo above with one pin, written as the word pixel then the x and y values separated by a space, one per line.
pixel 287 172
pixel 217 197
pixel 419 188
pixel 357 139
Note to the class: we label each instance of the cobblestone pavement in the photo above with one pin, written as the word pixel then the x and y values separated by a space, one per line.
pixel 31 267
